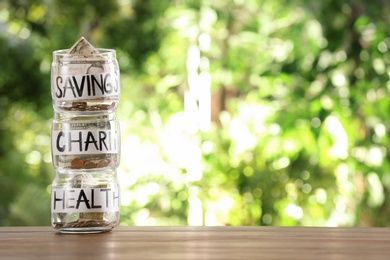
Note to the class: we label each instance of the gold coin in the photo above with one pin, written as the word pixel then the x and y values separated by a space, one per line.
pixel 103 163
pixel 89 164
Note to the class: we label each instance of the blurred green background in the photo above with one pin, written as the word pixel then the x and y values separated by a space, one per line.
pixel 233 112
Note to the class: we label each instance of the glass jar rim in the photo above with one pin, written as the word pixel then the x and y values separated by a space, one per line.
pixel 102 52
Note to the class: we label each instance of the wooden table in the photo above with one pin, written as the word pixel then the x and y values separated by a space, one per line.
pixel 198 243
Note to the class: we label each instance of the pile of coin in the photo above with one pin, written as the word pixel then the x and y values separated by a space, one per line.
pixel 84 106
pixel 79 163
pixel 83 223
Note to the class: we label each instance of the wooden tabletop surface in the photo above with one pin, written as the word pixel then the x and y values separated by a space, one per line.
pixel 198 243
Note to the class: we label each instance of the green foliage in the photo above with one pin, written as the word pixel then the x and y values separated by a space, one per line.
pixel 299 121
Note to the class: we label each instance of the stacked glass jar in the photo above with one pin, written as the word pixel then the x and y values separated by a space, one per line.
pixel 85 86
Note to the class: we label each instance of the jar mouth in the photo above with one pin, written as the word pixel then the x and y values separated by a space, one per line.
pixel 103 53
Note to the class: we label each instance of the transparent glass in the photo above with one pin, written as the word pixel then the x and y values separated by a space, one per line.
pixel 85 142
pixel 85 88
pixel 85 84
pixel 85 202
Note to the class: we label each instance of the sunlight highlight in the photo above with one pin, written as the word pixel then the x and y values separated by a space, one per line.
pixel 336 129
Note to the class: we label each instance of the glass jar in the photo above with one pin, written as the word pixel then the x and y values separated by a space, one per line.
pixel 84 84
pixel 85 88
pixel 85 202
pixel 85 142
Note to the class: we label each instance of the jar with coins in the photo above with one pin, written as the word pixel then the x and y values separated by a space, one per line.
pixel 85 87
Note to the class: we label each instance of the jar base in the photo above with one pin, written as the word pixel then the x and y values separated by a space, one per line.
pixel 84 230
pixel 85 222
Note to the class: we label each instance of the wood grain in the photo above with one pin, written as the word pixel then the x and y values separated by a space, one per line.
pixel 197 243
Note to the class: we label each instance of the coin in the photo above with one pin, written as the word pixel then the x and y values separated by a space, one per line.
pixel 89 164
pixel 102 163
pixel 77 163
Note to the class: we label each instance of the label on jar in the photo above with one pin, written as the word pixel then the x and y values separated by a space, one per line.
pixel 72 142
pixel 85 200
pixel 85 86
